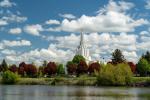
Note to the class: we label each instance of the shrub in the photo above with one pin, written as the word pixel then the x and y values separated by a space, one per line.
pixel 114 75
pixel 94 67
pixel 9 77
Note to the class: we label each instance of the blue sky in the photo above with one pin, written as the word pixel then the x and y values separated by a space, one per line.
pixel 36 30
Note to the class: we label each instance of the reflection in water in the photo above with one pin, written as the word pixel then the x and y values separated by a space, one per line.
pixel 39 92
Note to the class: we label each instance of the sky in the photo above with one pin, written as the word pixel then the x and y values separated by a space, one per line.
pixel 38 30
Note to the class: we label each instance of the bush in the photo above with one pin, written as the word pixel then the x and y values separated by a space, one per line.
pixel 9 77
pixel 114 75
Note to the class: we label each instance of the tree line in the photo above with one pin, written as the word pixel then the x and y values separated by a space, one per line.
pixel 78 66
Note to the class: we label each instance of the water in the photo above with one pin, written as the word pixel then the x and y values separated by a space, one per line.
pixel 42 92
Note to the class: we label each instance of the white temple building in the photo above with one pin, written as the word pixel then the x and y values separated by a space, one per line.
pixel 82 49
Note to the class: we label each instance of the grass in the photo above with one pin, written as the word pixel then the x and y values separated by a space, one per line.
pixel 82 80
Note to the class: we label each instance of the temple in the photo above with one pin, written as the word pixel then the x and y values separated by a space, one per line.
pixel 82 49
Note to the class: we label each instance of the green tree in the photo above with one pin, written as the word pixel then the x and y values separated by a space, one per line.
pixel 60 69
pixel 9 77
pixel 147 56
pixel 78 58
pixel 117 57
pixel 143 67
pixel 114 75
pixel 44 63
pixel 4 66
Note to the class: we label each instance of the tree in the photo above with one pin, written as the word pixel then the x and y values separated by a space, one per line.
pixel 82 68
pixel 147 56
pixel 51 68
pixel 13 68
pixel 95 66
pixel 22 68
pixel 71 67
pixel 44 63
pixel 60 69
pixel 77 59
pixel 132 66
pixel 4 66
pixel 117 57
pixel 31 70
pixel 143 67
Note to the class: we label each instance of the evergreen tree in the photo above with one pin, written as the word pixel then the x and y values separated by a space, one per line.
pixel 4 66
pixel 117 57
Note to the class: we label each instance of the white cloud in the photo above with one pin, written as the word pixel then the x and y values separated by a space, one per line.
pixel 52 22
pixel 147 6
pixel 7 3
pixel 8 52
pixel 3 22
pixel 68 16
pixel 15 30
pixel 14 18
pixel 110 18
pixel 7 43
pixel 33 29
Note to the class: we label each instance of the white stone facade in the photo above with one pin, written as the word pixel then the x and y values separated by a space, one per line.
pixel 82 49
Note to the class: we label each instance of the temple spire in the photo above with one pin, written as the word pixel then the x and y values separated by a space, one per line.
pixel 82 39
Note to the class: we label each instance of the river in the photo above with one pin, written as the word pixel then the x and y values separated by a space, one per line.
pixel 43 92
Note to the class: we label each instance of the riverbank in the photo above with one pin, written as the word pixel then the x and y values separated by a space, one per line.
pixel 81 81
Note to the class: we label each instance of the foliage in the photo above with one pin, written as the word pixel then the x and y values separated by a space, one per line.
pixel 78 58
pixel 114 75
pixel 71 67
pixel 13 68
pixel 51 68
pixel 9 77
pixel 143 67
pixel 132 66
pixel 4 66
pixel 82 68
pixel 60 69
pixel 94 67
pixel 117 57
pixel 31 70
pixel 147 56
pixel 22 68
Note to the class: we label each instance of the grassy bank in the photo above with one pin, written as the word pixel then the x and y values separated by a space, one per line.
pixel 84 81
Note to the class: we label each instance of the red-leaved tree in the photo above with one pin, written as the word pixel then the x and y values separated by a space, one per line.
pixel 71 67
pixel 13 68
pixel 51 68
pixel 82 68
pixel 132 66
pixel 95 66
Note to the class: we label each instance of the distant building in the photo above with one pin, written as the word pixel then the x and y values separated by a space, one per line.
pixel 82 49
